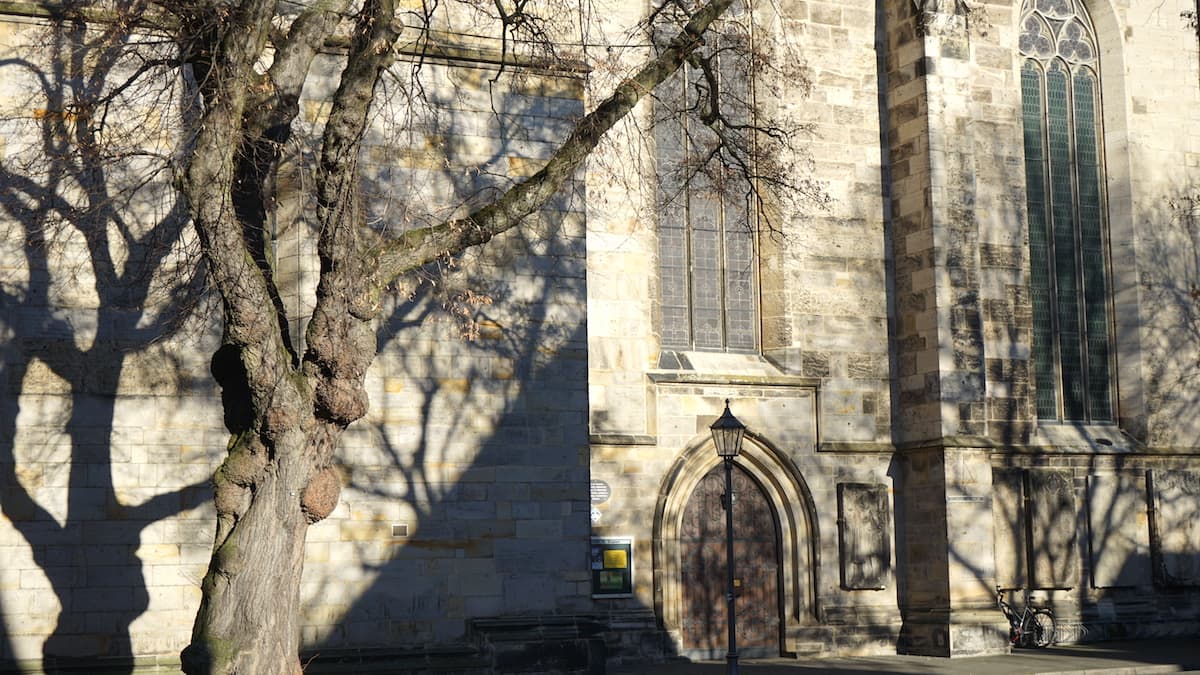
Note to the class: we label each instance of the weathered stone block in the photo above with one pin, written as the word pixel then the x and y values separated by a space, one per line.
pixel 1119 530
pixel 864 535
pixel 1008 522
pixel 1177 524
pixel 1053 526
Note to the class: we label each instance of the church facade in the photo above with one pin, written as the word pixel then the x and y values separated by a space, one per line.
pixel 966 362
pixel 960 380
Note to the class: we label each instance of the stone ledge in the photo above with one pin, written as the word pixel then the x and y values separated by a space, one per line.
pixel 855 447
pixel 525 629
pixel 1086 440
pixel 689 377
pixel 559 644
pixel 622 439
pixel 976 442
pixel 461 659
pixel 141 665
pixel 1098 438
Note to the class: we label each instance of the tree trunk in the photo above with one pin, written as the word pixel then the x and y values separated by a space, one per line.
pixel 249 619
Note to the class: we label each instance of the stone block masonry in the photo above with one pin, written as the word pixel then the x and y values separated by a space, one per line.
pixel 465 487
pixel 523 402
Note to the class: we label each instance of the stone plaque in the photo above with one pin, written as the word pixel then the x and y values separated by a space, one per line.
pixel 864 532
pixel 1052 527
pixel 1118 530
pixel 600 491
pixel 1008 522
pixel 1177 526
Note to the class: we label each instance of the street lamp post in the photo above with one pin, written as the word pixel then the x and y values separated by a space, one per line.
pixel 727 433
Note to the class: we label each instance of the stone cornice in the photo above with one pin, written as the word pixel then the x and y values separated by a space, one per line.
pixel 1044 448
pixel 431 45
pixel 855 447
pixel 691 377
pixel 622 439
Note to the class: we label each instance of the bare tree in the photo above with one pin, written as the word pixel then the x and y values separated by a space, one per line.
pixel 234 74
pixel 279 476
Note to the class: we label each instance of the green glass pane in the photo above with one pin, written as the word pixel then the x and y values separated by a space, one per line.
pixel 707 315
pixel 1072 336
pixel 1066 276
pixel 1039 240
pixel 706 243
pixel 1091 241
pixel 670 143
pixel 740 318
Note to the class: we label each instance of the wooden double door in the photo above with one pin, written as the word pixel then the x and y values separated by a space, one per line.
pixel 756 568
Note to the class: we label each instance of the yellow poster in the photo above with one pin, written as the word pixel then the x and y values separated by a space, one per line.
pixel 616 559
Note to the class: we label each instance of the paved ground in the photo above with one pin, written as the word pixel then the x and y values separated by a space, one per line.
pixel 1110 658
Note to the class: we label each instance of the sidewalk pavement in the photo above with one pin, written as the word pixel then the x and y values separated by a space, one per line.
pixel 1144 657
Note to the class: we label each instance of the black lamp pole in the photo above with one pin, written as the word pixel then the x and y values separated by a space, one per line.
pixel 727 434
pixel 731 658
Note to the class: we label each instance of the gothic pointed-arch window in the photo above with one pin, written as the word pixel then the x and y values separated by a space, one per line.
pixel 1060 96
pixel 706 241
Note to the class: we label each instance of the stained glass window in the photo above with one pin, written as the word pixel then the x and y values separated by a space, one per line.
pixel 705 238
pixel 1072 337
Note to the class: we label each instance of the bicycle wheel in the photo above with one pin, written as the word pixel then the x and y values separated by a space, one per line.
pixel 1040 628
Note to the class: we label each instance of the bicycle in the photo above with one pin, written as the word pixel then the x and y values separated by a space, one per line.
pixel 1031 627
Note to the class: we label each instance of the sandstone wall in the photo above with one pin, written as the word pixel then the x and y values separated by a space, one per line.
pixel 466 485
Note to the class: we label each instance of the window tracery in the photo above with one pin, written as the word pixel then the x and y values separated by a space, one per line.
pixel 1060 94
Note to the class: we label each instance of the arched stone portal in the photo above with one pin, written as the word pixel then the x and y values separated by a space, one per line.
pixel 768 487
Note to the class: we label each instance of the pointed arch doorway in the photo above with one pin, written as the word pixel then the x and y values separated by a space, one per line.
pixel 771 493
pixel 702 549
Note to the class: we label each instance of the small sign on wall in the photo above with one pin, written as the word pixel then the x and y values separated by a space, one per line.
pixel 612 567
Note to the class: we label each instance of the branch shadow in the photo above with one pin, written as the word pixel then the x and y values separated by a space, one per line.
pixel 1107 539
pixel 93 234
pixel 480 461
pixel 467 495
pixel 1070 520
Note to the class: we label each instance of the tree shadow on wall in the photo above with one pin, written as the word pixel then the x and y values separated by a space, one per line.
pixel 1040 512
pixel 94 283
pixel 1169 240
pixel 1095 537
pixel 468 493
pixel 478 456
pixel 468 482
pixel 1170 285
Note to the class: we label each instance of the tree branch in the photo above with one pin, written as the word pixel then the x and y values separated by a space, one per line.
pixel 226 57
pixel 419 247
pixel 340 338
pixel 278 104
